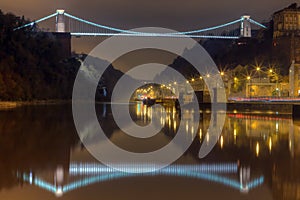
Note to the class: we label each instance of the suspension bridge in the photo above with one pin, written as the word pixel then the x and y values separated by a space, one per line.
pixel 67 23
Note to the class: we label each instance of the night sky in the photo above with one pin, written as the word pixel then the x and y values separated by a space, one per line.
pixel 179 15
pixel 174 14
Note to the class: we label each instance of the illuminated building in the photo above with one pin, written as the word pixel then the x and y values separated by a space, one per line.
pixel 286 40
pixel 286 33
pixel 294 79
pixel 287 21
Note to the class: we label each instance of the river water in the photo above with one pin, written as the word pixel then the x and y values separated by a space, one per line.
pixel 256 157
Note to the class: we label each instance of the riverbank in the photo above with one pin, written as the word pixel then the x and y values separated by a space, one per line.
pixel 5 105
pixel 255 107
pixel 265 107
pixel 234 107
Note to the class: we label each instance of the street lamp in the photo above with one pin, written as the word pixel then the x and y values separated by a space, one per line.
pixel 258 69
pixel 273 74
pixel 249 79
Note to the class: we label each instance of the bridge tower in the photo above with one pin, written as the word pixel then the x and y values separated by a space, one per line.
pixel 60 21
pixel 58 180
pixel 245 26
pixel 244 179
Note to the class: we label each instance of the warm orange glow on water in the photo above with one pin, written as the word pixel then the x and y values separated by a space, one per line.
pixel 257 149
pixel 221 141
pixel 270 145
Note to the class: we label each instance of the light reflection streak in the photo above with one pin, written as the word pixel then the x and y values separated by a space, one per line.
pixel 209 172
pixel 175 126
pixel 257 117
pixel 270 145
pixel 207 137
pixel 192 131
pixel 200 134
pixel 234 135
pixel 36 181
pixel 187 126
pixel 257 149
pixel 221 141
pixel 91 168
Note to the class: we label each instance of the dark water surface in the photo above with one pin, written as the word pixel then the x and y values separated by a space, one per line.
pixel 41 157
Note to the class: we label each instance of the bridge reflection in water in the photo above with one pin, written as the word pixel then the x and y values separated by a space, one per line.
pixel 91 173
pixel 253 148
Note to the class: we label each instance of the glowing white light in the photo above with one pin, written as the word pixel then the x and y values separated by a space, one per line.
pixel 59 192
pixel 30 178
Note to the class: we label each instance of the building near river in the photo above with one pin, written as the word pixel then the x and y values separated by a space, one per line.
pixel 286 40
pixel 287 21
pixel 286 33
pixel 294 79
